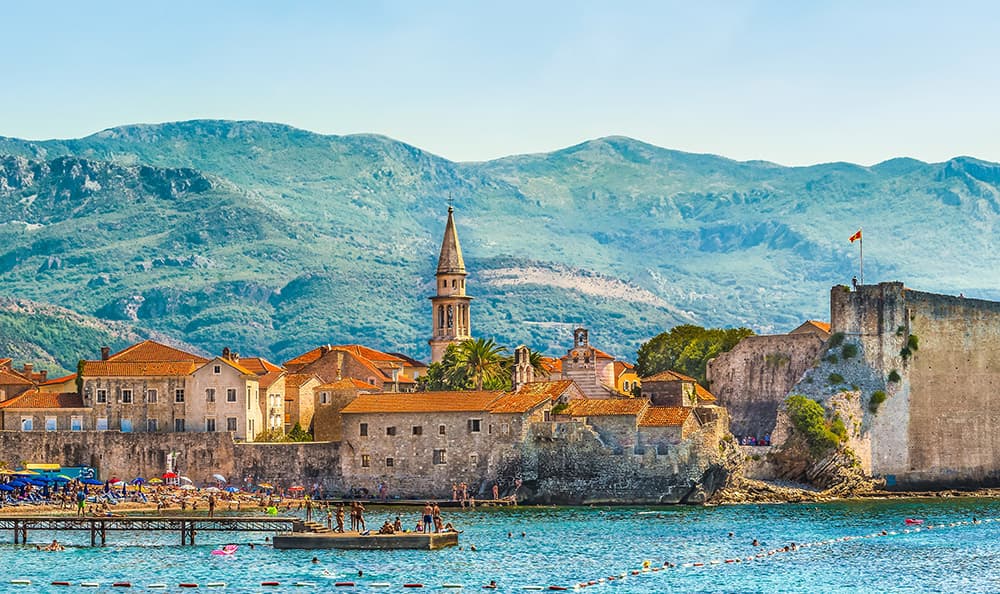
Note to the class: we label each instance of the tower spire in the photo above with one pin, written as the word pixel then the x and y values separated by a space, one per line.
pixel 450 260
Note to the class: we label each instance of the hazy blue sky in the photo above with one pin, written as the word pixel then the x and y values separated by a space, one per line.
pixel 794 82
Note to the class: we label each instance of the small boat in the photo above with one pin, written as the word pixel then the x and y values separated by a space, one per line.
pixel 913 522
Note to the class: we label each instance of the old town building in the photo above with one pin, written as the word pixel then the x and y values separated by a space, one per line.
pixel 450 318
pixel 597 373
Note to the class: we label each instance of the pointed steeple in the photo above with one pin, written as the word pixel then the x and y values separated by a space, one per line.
pixel 450 261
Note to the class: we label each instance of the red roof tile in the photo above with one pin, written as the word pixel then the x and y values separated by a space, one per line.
pixel 703 394
pixel 601 407
pixel 267 380
pixel 423 402
pixel 294 380
pixel 150 350
pixel 552 365
pixel 60 380
pixel 664 416
pixel 529 396
pixel 259 365
pixel 138 369
pixel 10 377
pixel 669 376
pixel 348 383
pixel 35 399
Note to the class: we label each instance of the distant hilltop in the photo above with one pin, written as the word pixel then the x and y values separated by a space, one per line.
pixel 220 232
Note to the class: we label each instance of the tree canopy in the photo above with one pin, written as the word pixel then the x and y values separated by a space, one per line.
pixel 686 349
pixel 475 364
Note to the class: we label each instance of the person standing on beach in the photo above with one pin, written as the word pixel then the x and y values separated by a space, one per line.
pixel 496 492
pixel 211 505
pixel 309 509
pixel 361 517
pixel 81 501
pixel 428 517
pixel 340 517
pixel 436 511
pixel 354 516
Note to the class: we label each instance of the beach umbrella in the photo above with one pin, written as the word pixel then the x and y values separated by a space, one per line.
pixel 138 480
pixel 155 481
pixel 188 487
pixel 231 490
pixel 4 487
pixel 296 488
pixel 91 481
pixel 266 486
pixel 117 483
pixel 18 482
pixel 25 473
pixel 212 490
pixel 219 478
pixel 185 479
pixel 5 471
pixel 169 475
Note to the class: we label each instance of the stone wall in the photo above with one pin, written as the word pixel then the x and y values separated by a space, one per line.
pixel 200 455
pixel 940 422
pixel 753 379
pixel 567 463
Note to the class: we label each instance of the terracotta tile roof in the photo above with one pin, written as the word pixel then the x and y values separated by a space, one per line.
pixel 370 354
pixel 601 407
pixel 664 416
pixel 703 394
pixel 138 369
pixel 60 380
pixel 824 326
pixel 149 350
pixel 552 365
pixel 529 396
pixel 348 383
pixel 423 402
pixel 669 376
pixel 259 365
pixel 305 358
pixel 622 367
pixel 410 361
pixel 598 354
pixel 237 366
pixel 35 399
pixel 265 381
pixel 9 377
pixel 5 362
pixel 295 380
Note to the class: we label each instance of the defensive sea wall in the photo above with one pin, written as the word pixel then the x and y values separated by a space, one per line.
pixel 199 455
pixel 939 426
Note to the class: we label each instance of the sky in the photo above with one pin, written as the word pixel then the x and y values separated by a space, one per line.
pixel 795 82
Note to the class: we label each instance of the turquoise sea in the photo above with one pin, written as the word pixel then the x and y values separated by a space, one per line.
pixel 565 546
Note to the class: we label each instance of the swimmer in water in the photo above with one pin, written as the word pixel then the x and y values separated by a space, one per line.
pixel 315 560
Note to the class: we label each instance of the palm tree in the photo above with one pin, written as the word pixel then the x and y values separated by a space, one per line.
pixel 481 359
pixel 535 358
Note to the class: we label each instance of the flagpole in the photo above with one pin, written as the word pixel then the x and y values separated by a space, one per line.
pixel 862 245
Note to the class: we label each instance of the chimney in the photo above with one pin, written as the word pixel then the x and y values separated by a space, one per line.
pixel 27 369
pixel 42 375
pixel 105 353
pixel 340 366
pixel 225 353
pixel 236 358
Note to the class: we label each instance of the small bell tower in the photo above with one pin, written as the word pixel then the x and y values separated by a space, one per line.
pixel 450 306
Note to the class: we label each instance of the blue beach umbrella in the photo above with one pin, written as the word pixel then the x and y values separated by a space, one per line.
pixel 231 490
pixel 6 487
pixel 138 480
pixel 90 481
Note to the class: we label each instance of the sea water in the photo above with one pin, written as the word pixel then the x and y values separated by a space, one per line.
pixel 564 546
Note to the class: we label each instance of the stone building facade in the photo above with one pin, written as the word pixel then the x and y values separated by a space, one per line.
pixel 597 373
pixel 224 396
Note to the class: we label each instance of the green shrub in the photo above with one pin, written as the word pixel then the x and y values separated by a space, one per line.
pixel 900 330
pixel 809 420
pixel 894 376
pixel 559 408
pixel 913 343
pixel 832 359
pixel 905 353
pixel 836 339
pixel 835 378
pixel 849 350
pixel 878 397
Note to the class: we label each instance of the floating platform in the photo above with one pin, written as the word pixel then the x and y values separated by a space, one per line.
pixel 353 540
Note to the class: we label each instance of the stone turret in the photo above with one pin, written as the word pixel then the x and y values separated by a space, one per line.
pixel 524 373
pixel 450 306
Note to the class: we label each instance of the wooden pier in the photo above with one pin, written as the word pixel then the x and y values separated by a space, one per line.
pixel 373 541
pixel 187 526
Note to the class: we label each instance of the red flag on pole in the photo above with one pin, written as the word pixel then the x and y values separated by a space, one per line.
pixel 856 236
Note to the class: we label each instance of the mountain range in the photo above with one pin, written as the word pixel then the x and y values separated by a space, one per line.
pixel 271 239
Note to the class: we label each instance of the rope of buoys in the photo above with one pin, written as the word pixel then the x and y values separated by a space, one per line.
pixel 157 586
pixel 187 585
pixel 344 584
pixel 379 585
pixel 305 584
pixel 61 584
pixel 89 585
pixel 121 585
pixel 21 582
pixel 215 585
pixel 413 585
pixel 270 584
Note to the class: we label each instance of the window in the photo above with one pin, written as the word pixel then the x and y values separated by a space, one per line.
pixel 217 369
pixel 231 424
pixel 366 461
pixel 126 396
pixel 209 394
pixel 475 425
pixel 439 457
pixel 625 386
pixel 441 430
pixel 547 416
pixel 451 316
pixel 50 423
pixel 210 425
pixel 27 423
pixel 389 462
pixel 179 425
pixel 179 395
pixel 418 430
pixel 102 423
pixel 230 394
pixel 363 430
pixel 126 425
pixel 76 423
pixel 151 426
pixel 504 428
pixel 250 430
pixel 102 396
pixel 371 381
pixel 390 430
pixel 473 459
pixel 453 283
pixel 324 397
pixel 151 396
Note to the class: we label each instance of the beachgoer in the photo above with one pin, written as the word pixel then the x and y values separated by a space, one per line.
pixel 398 525
pixel 340 517
pixel 81 501
pixel 361 517
pixel 315 560
pixel 428 519
pixel 454 492
pixel 309 509
pixel 437 517
pixel 496 492
pixel 211 506
pixel 755 543
pixel 329 520
pixel 386 528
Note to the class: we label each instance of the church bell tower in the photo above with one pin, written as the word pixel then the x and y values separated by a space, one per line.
pixel 450 306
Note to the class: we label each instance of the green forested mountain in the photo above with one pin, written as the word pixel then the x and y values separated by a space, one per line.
pixel 271 239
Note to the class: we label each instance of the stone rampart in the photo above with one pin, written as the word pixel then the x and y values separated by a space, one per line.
pixel 128 455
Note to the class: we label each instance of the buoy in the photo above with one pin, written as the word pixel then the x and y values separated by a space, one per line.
pixel 413 585
pixel 379 585
pixel 215 585
pixel 89 585
pixel 21 582
pixel 121 585
pixel 344 584
pixel 531 588
pixel 187 585
pixel 558 588
pixel 451 585
pixel 270 584
pixel 61 584
pixel 157 586
pixel 305 584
